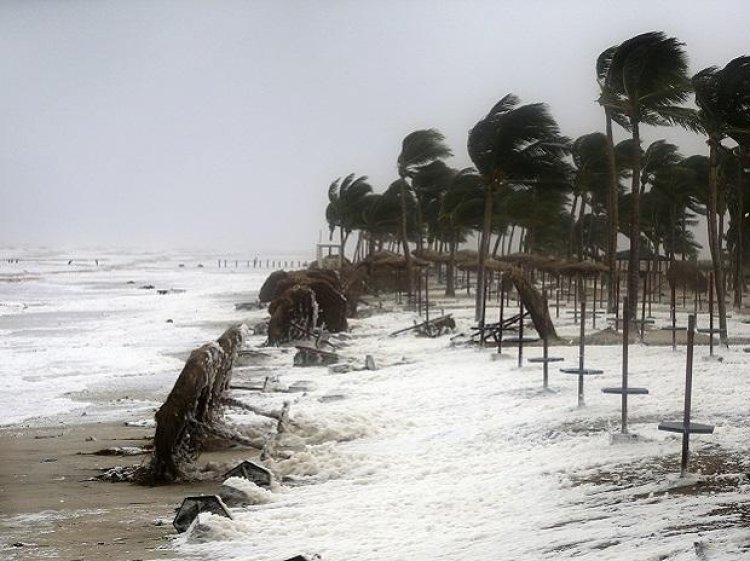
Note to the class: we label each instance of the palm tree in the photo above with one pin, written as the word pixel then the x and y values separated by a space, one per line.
pixel 418 149
pixel 514 147
pixel 460 212
pixel 734 101
pixel 645 81
pixel 712 120
pixel 345 202
pixel 592 175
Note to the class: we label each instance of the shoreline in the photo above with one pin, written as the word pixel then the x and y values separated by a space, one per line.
pixel 52 507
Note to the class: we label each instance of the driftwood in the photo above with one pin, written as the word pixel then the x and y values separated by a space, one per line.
pixel 431 328
pixel 192 413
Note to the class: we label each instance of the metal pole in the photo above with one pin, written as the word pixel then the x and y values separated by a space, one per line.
pixel 593 307
pixel 673 306
pixel 426 294
pixel 581 351
pixel 546 371
pixel 502 311
pixel 688 397
pixel 625 347
pixel 711 314
pixel 520 335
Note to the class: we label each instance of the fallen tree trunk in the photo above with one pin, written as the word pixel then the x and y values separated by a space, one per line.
pixel 534 302
pixel 192 412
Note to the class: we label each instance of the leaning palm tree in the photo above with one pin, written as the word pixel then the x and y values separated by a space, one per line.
pixel 646 82
pixel 514 147
pixel 713 124
pixel 592 174
pixel 460 213
pixel 345 202
pixel 734 101
pixel 418 149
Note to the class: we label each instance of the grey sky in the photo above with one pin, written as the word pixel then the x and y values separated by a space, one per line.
pixel 220 124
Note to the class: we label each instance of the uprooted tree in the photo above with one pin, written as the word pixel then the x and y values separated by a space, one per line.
pixel 302 301
pixel 534 302
pixel 191 418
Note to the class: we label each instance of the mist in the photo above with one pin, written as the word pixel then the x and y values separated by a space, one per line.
pixel 163 124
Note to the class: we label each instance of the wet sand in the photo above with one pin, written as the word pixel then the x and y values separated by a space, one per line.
pixel 50 508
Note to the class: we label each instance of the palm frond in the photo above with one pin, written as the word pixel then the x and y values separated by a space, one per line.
pixel 420 148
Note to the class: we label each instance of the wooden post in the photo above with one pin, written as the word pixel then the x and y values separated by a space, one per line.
pixel 673 310
pixel 625 348
pixel 502 310
pixel 593 307
pixel 427 294
pixel 520 334
pixel 711 314
pixel 688 396
pixel 581 351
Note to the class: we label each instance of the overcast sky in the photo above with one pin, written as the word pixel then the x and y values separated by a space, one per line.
pixel 220 124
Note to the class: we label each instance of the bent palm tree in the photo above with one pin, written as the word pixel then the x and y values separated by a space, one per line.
pixel 646 81
pixel 418 149
pixel 345 203
pixel 514 147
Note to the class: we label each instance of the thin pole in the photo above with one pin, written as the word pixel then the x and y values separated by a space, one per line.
pixel 520 334
pixel 581 351
pixel 593 307
pixel 673 306
pixel 711 314
pixel 426 294
pixel 502 311
pixel 617 303
pixel 625 347
pixel 688 397
pixel 545 354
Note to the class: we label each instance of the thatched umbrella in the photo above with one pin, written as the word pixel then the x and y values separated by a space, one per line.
pixel 687 275
pixel 588 269
pixel 431 255
pixel 466 255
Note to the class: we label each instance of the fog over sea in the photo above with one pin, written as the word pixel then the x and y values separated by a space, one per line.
pixel 81 329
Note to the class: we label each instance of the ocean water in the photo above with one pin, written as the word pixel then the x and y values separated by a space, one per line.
pixel 93 335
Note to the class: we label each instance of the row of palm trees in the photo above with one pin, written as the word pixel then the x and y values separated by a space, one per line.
pixel 566 196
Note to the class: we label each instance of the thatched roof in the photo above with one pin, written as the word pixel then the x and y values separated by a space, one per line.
pixel 466 256
pixel 529 260
pixel 582 268
pixel 688 275
pixel 399 262
pixel 491 264
pixel 431 255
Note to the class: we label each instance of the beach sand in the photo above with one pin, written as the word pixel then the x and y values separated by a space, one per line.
pixel 51 509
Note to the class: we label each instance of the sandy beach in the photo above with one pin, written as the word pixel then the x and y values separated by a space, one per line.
pixel 53 509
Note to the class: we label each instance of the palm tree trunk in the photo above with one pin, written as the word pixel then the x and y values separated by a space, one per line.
pixel 510 239
pixel 612 218
pixel 450 285
pixel 672 228
pixel 739 280
pixel 342 246
pixel 713 240
pixel 496 246
pixel 634 262
pixel 405 242
pixel 484 247
pixel 581 212
pixel 571 240
pixel 420 242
